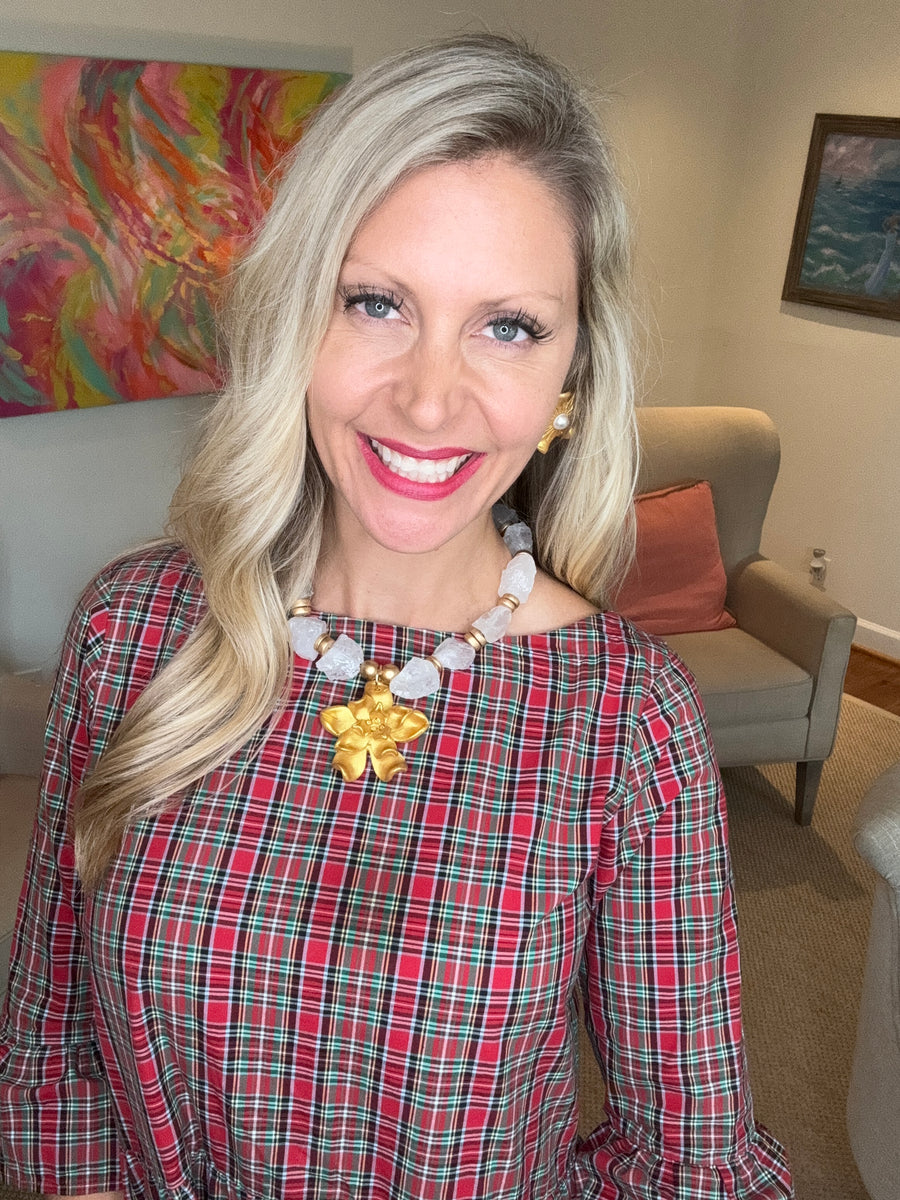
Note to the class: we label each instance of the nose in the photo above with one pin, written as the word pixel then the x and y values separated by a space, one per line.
pixel 433 384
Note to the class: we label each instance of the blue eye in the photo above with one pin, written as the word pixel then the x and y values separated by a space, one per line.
pixel 506 331
pixel 371 302
pixel 516 328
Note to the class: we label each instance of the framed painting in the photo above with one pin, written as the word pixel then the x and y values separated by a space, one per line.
pixel 845 252
pixel 126 189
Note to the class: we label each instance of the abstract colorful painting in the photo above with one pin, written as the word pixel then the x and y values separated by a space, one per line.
pixel 845 251
pixel 126 188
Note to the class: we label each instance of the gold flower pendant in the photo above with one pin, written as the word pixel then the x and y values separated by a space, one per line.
pixel 371 728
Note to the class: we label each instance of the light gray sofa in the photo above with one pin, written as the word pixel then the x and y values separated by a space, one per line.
pixel 873 1105
pixel 23 712
pixel 772 686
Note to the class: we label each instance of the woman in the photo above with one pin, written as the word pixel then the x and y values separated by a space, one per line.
pixel 313 941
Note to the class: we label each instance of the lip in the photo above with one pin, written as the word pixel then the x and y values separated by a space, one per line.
pixel 418 452
pixel 409 488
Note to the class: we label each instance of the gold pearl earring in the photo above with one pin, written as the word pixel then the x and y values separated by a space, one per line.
pixel 560 423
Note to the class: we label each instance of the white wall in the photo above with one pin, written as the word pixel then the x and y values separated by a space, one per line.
pixel 829 379
pixel 711 102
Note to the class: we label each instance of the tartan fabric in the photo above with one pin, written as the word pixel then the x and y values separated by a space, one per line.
pixel 291 986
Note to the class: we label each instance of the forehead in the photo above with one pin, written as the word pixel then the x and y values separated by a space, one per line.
pixel 492 212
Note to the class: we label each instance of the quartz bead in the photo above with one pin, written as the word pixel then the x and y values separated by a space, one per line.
pixel 503 515
pixel 342 661
pixel 418 678
pixel 518 577
pixel 518 537
pixel 305 632
pixel 454 654
pixel 494 623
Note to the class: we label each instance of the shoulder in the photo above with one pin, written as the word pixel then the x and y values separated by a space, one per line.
pixel 551 605
pixel 161 570
pixel 145 599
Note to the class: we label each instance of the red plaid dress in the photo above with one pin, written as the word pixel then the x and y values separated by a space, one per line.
pixel 294 987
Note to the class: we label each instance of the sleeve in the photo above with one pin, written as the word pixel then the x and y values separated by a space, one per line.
pixel 661 981
pixel 57 1130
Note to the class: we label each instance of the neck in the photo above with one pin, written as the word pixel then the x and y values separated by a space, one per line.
pixel 440 589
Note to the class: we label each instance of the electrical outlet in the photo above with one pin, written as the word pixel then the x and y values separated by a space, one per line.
pixel 818 567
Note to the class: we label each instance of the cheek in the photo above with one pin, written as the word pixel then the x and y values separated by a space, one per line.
pixel 520 422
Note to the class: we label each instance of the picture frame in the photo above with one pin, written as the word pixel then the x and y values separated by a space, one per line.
pixel 128 189
pixel 845 250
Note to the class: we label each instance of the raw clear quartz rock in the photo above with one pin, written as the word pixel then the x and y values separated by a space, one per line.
pixel 518 577
pixel 305 632
pixel 494 623
pixel 454 654
pixel 518 537
pixel 342 661
pixel 418 678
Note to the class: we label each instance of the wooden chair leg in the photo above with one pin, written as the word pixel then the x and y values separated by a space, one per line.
pixel 808 776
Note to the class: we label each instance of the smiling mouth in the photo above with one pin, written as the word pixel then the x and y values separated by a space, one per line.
pixel 419 470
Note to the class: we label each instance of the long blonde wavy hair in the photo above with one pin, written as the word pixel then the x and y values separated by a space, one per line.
pixel 251 505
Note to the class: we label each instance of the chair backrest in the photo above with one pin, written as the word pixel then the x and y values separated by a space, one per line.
pixel 735 449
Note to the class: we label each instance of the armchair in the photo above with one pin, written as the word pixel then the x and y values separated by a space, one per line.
pixel 772 684
pixel 873 1104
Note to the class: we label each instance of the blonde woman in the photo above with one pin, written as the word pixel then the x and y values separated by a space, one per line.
pixel 345 800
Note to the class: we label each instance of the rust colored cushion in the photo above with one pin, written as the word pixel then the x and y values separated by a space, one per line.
pixel 677 582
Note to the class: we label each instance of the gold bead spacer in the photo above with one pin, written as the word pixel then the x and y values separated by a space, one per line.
pixel 510 601
pixel 388 672
pixel 475 638
pixel 303 608
pixel 436 663
pixel 369 669
pixel 323 644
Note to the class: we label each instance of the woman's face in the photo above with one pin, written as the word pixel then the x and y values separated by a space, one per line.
pixel 452 332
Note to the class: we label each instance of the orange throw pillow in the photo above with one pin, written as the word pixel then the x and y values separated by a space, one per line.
pixel 677 581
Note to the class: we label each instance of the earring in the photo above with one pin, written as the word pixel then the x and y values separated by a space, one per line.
pixel 560 423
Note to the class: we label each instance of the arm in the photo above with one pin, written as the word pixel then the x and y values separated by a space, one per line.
pixel 57 1130
pixel 93 1196
pixel 662 980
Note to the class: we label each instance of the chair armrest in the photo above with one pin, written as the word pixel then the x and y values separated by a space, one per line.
pixel 876 827
pixel 804 625
pixel 787 613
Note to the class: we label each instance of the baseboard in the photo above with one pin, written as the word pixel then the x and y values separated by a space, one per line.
pixel 877 638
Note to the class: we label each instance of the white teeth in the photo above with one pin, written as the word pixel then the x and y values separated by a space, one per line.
pixel 419 470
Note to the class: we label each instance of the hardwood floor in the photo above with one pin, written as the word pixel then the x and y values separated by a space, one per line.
pixel 875 678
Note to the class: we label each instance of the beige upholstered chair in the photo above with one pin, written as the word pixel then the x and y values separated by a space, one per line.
pixel 772 685
pixel 873 1105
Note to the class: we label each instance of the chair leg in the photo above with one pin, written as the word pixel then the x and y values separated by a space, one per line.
pixel 808 776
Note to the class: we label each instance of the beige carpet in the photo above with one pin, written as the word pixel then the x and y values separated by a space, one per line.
pixel 803 899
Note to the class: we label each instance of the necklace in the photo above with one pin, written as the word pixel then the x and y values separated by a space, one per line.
pixel 371 727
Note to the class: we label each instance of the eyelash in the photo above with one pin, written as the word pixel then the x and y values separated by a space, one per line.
pixel 525 320
pixel 351 296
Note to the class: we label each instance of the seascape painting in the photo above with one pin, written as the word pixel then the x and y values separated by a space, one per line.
pixel 846 252
pixel 126 189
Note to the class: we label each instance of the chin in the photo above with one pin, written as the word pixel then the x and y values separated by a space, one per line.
pixel 419 533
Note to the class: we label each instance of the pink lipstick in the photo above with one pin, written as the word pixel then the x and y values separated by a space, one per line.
pixel 413 489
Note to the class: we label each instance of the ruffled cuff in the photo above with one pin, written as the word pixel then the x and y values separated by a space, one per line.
pixel 57 1129
pixel 759 1171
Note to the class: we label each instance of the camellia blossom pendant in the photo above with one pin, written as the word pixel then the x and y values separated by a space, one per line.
pixel 371 728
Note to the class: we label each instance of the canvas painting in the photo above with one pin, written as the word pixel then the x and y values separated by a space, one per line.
pixel 126 189
pixel 845 252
